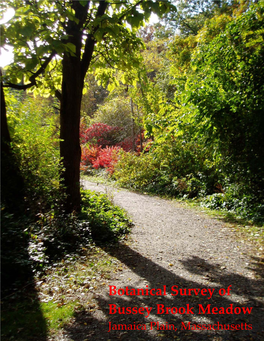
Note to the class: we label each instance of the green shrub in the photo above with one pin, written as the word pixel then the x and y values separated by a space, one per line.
pixel 107 221
pixel 135 172
pixel 35 142
pixel 242 205
pixel 175 169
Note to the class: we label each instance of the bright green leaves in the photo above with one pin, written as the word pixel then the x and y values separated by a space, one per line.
pixel 135 13
pixel 38 29
pixel 35 140
pixel 43 50
pixel 227 88
pixel 161 7
pixel 135 19
pixel 228 61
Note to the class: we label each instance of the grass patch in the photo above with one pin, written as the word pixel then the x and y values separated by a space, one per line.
pixel 57 314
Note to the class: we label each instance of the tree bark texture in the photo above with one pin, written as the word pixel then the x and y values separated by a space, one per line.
pixel 12 184
pixel 69 132
pixel 74 69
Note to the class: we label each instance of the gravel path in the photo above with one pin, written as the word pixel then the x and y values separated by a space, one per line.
pixel 175 248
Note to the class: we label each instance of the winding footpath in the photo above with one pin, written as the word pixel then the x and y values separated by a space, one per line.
pixel 173 249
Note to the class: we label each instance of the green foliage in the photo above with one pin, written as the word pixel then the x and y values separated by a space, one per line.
pixel 93 95
pixel 135 172
pixel 33 24
pixel 117 113
pixel 107 222
pixel 227 88
pixel 204 110
pixel 32 246
pixel 175 168
pixel 86 35
pixel 35 141
pixel 243 206
pixel 191 16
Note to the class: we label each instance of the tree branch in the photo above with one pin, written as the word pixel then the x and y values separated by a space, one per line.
pixel 58 94
pixel 90 41
pixel 32 78
pixel 126 12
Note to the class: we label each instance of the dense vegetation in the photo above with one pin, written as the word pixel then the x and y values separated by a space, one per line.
pixel 198 97
pixel 40 142
pixel 41 230
pixel 174 108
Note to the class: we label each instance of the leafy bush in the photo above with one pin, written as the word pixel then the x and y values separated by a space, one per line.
pixel 227 89
pixel 132 171
pixel 35 142
pixel 56 233
pixel 99 157
pixel 100 134
pixel 177 169
pixel 117 113
pixel 244 206
pixel 107 221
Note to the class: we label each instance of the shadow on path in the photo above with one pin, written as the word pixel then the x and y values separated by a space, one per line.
pixel 245 293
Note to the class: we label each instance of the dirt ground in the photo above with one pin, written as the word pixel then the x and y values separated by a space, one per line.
pixel 173 248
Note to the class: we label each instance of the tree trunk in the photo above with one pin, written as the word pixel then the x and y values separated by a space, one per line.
pixel 132 125
pixel 70 149
pixel 5 136
pixel 74 69
pixel 12 189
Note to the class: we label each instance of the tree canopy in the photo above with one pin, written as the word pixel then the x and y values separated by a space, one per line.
pixel 55 43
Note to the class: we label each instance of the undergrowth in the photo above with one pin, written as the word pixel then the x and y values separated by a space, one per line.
pixel 32 246
pixel 49 263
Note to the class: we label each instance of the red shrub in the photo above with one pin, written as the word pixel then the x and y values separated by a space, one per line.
pixel 102 148
pixel 100 134
pixel 126 144
pixel 98 157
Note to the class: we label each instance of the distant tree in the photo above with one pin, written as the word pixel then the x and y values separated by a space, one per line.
pixel 191 15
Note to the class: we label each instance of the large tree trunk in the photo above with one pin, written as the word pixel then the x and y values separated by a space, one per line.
pixel 70 149
pixel 12 189
pixel 74 69
pixel 5 136
pixel 71 97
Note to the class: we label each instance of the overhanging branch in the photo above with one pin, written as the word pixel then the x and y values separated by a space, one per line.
pixel 90 41
pixel 32 78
